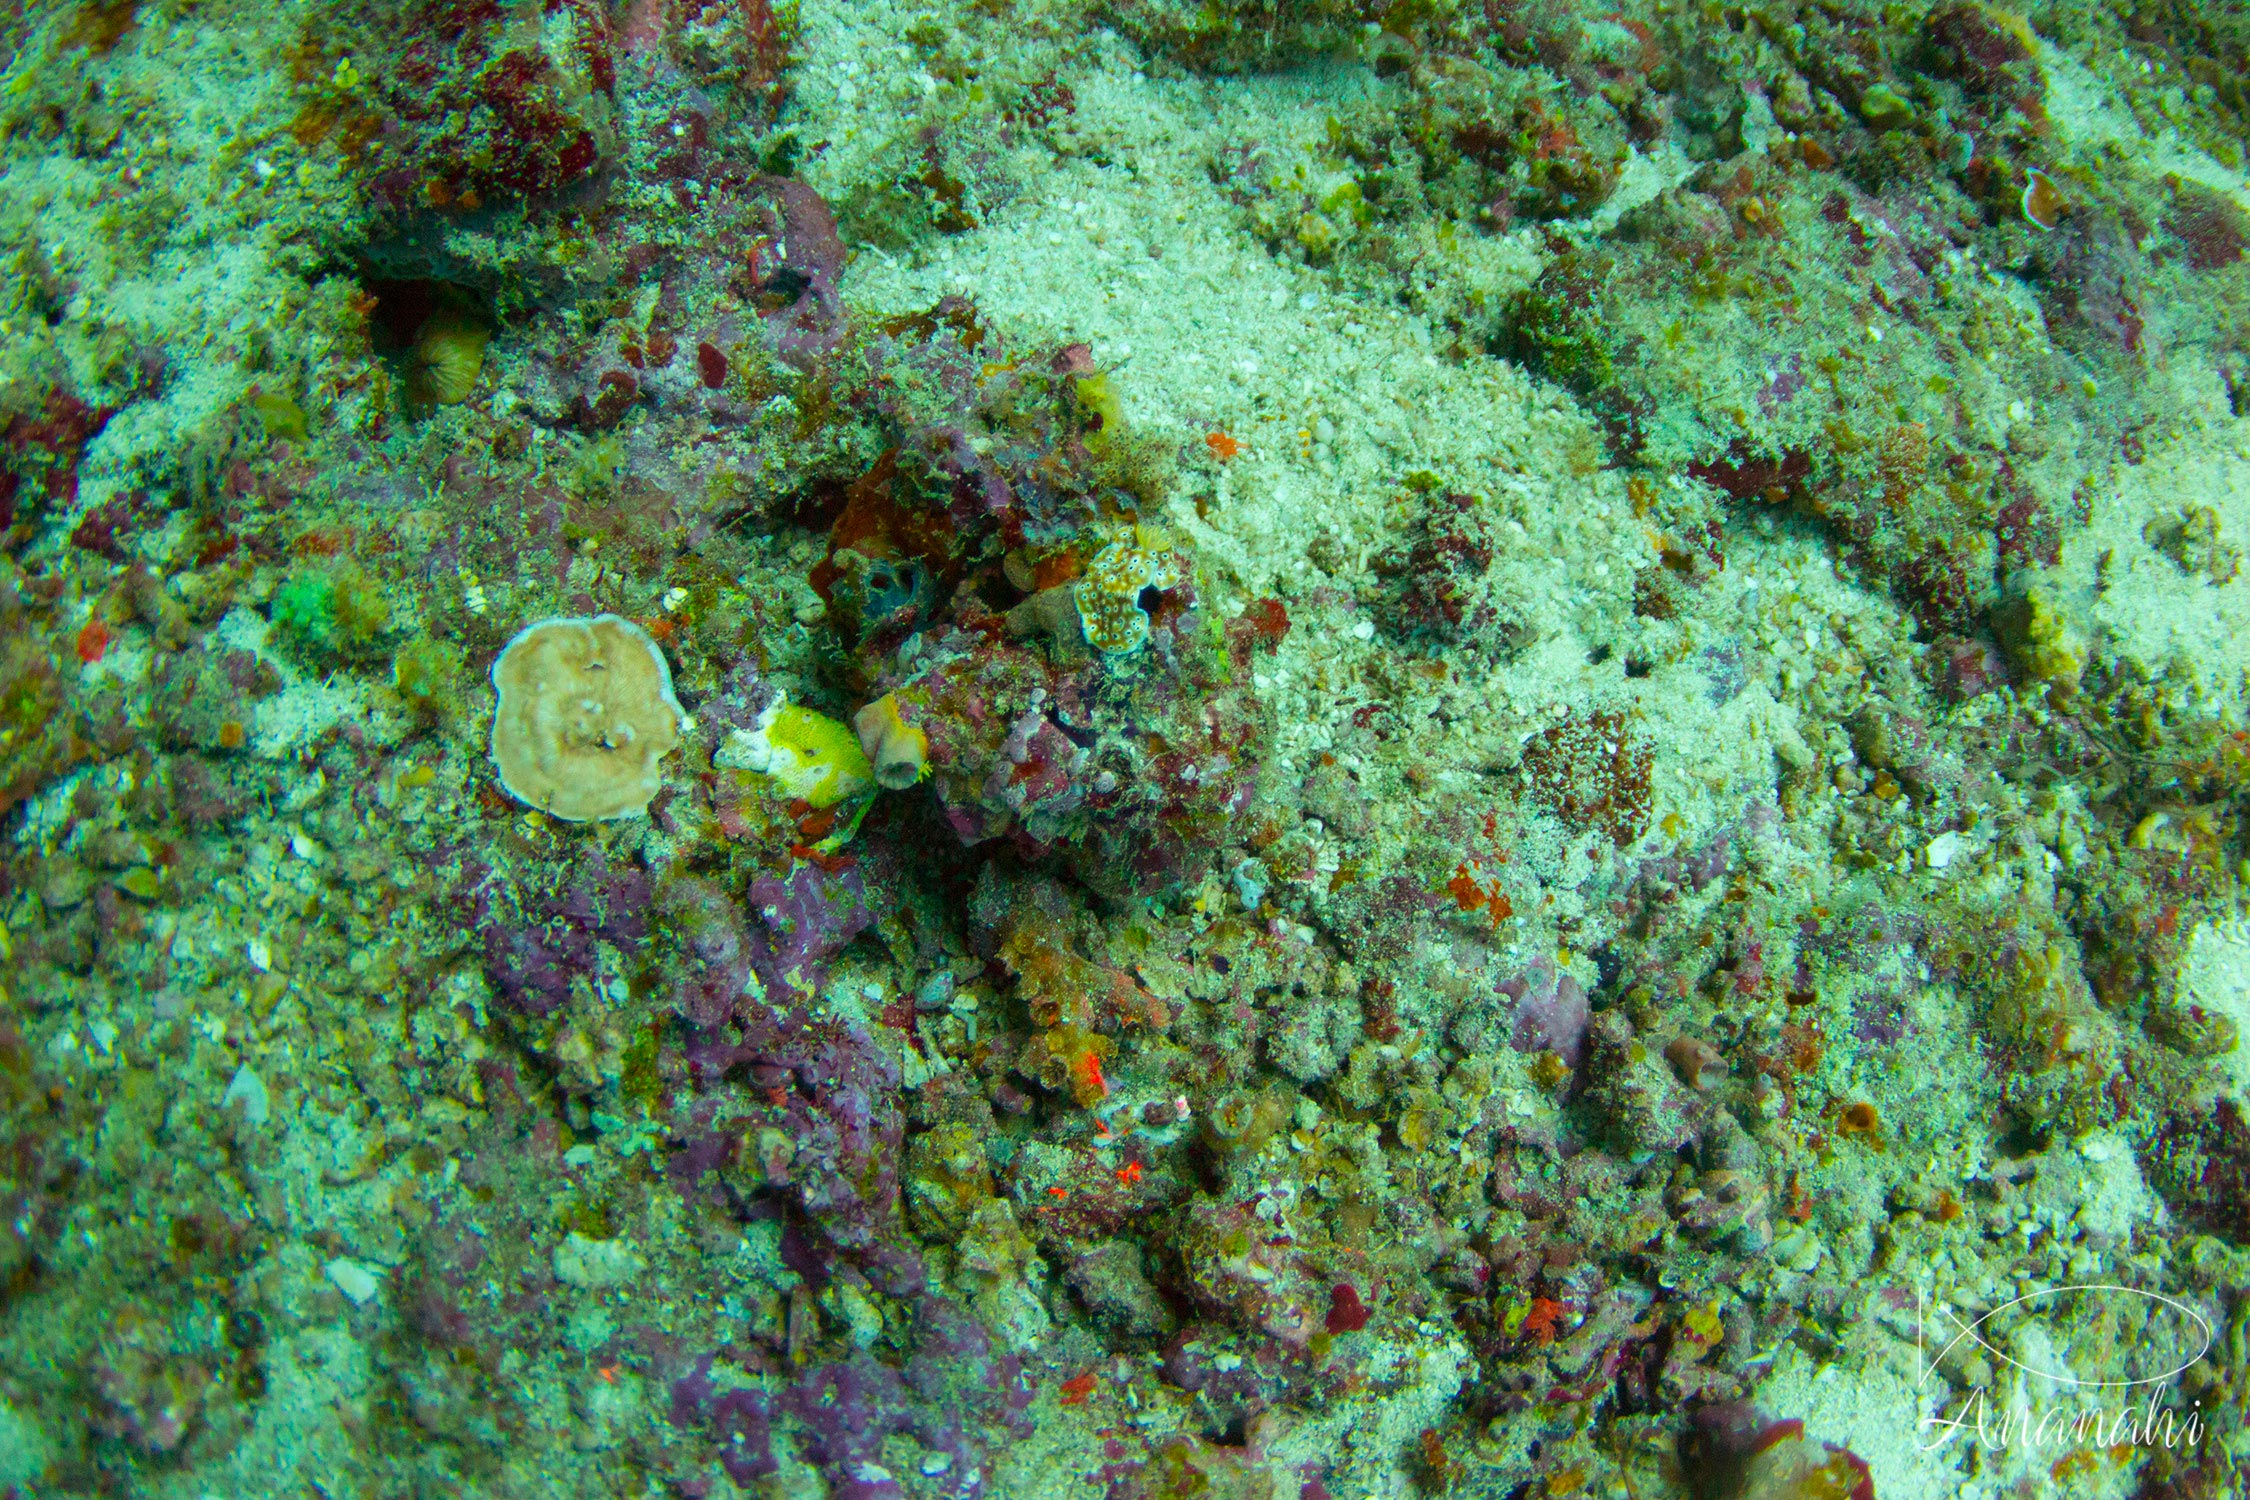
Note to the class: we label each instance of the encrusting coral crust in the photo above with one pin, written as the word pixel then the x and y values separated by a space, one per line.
pixel 585 714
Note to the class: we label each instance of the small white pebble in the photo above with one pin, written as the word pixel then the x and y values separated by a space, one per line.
pixel 1364 631
pixel 261 954
pixel 247 1089
pixel 354 1280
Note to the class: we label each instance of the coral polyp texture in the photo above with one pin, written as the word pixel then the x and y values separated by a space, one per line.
pixel 1124 750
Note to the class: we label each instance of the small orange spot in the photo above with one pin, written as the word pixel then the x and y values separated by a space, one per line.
pixel 608 1374
pixel 1058 1192
pixel 322 541
pixel 1800 1202
pixel 1222 447
pixel 1471 893
pixel 2166 924
pixel 1130 1173
pixel 1076 1389
pixel 232 736
pixel 1858 1118
pixel 1056 569
pixel 1088 1070
pixel 93 641
pixel 1540 1321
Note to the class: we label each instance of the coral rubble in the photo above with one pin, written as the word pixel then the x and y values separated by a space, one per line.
pixel 1124 749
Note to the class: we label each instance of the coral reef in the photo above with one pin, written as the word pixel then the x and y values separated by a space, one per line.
pixel 1108 748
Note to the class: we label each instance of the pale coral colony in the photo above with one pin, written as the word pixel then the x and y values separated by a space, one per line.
pixel 583 716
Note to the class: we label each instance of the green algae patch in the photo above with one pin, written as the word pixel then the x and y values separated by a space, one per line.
pixel 331 613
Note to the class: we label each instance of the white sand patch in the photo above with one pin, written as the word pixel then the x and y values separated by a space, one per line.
pixel 2149 610
pixel 1874 1409
pixel 2216 976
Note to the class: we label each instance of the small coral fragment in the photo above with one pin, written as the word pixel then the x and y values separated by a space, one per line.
pixel 426 673
pixel 585 715
pixel 2043 203
pixel 2042 637
pixel 808 755
pixel 448 357
pixel 2190 537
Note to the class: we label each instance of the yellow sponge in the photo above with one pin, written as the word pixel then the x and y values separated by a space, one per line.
pixel 807 755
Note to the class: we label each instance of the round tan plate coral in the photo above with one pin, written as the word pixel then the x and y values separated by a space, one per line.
pixel 585 715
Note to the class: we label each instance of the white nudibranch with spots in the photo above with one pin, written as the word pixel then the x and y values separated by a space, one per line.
pixel 1108 595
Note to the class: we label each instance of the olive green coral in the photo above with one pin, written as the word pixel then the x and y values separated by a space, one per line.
pixel 36 742
pixel 427 674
